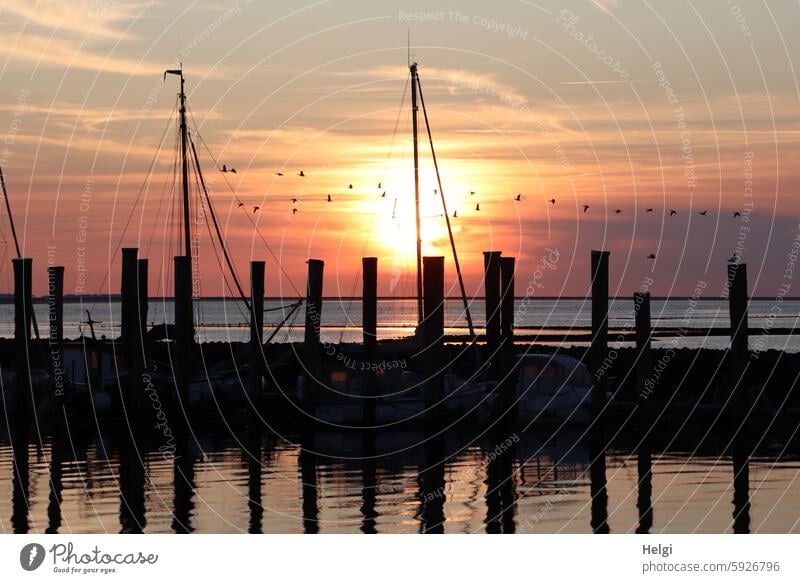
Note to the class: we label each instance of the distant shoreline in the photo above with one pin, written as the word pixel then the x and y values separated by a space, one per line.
pixel 9 298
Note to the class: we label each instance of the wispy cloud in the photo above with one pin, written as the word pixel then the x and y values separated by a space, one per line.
pixel 89 18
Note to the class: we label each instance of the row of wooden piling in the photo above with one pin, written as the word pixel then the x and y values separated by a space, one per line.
pixel 736 409
pixel 499 294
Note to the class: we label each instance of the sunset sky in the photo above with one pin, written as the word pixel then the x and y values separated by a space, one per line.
pixel 620 104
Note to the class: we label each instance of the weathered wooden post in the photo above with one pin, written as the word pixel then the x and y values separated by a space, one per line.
pixel 184 330
pixel 130 334
pixel 311 343
pixel 142 299
pixel 508 388
pixel 55 302
pixel 256 376
pixel 599 367
pixel 129 290
pixel 433 335
pixel 644 368
pixel 369 311
pixel 739 356
pixel 491 292
pixel 23 401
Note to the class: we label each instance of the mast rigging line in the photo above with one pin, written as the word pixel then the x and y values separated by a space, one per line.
pixel 213 214
pixel 446 216
pixel 246 214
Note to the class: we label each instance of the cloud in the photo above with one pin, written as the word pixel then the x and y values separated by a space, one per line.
pixel 66 53
pixel 90 18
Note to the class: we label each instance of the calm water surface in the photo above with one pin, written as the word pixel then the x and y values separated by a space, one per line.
pixel 269 486
pixel 226 320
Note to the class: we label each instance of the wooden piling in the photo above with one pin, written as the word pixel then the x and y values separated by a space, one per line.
pixel 23 401
pixel 55 303
pixel 142 299
pixel 23 310
pixel 507 372
pixel 256 376
pixel 599 364
pixel 129 290
pixel 129 329
pixel 491 292
pixel 311 344
pixel 369 311
pixel 433 334
pixel 184 329
pixel 644 368
pixel 739 357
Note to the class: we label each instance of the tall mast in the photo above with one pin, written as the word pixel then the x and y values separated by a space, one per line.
pixel 414 109
pixel 187 230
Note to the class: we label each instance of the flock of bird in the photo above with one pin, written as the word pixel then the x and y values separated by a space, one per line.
pixel 517 198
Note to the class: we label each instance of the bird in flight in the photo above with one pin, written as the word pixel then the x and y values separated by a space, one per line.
pixel 241 204
pixel 703 213
pixel 471 192
pixel 736 214
pixel 518 198
pixel 276 174
pixel 673 213
pixel 651 256
pixel 585 207
pixel 256 209
pixel 648 210
pixel 329 198
pixel 618 211
pixel 552 201
pixel 478 207
pixel 301 174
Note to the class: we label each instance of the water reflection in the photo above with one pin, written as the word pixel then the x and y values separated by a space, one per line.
pixel 388 483
pixel 183 486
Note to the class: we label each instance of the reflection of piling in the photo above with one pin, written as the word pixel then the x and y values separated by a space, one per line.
pixel 131 484
pixel 432 487
pixel 311 344
pixel 255 378
pixel 491 292
pixel 433 335
pixel 23 401
pixel 508 389
pixel 58 448
pixel 739 356
pixel 55 301
pixel 598 364
pixel 308 479
pixel 184 329
pixel 183 488
pixel 253 453
pixel 644 367
pixel 370 330
pixel 369 485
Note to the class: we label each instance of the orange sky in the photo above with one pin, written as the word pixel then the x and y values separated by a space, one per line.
pixel 618 105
